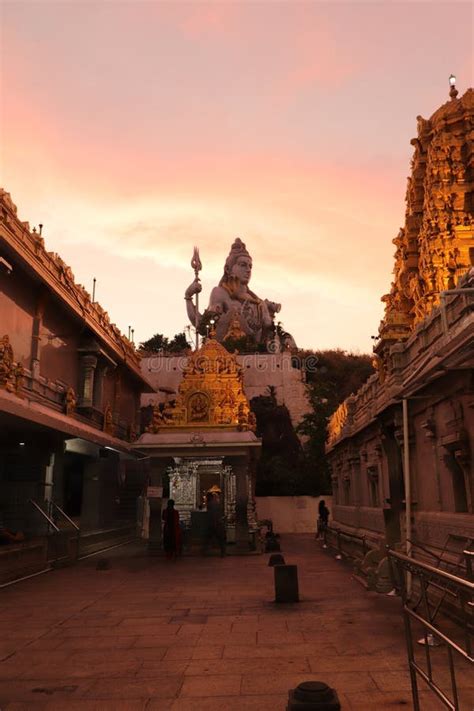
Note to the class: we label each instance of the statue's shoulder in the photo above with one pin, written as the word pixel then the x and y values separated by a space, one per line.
pixel 219 295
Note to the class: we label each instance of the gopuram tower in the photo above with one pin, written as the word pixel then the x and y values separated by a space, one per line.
pixel 435 247
pixel 401 449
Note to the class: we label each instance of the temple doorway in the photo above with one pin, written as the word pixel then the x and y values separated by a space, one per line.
pixel 73 476
pixel 192 479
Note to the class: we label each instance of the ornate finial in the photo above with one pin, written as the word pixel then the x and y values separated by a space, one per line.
pixel 453 92
pixel 196 261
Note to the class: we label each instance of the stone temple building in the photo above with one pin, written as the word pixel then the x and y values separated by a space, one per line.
pixel 401 449
pixel 70 388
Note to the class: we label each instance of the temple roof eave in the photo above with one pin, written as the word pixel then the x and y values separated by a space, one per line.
pixel 200 444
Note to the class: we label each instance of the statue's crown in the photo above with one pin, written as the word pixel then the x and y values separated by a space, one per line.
pixel 237 250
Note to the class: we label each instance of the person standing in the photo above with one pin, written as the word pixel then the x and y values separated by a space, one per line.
pixel 171 531
pixel 215 524
pixel 323 519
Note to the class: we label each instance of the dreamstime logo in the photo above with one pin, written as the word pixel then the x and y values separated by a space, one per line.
pixel 271 362
pixel 309 363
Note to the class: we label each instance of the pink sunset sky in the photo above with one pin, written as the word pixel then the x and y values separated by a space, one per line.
pixel 135 130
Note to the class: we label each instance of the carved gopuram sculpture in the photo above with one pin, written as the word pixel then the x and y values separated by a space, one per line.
pixel 210 395
pixel 11 373
pixel 435 248
pixel 237 311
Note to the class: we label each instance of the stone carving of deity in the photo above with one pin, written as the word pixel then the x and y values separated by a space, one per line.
pixel 198 408
pixel 238 311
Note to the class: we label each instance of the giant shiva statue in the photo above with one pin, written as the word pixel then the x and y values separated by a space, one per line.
pixel 236 310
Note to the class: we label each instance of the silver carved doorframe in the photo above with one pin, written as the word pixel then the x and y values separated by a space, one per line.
pixel 184 478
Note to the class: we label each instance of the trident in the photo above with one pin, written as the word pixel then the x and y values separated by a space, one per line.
pixel 197 266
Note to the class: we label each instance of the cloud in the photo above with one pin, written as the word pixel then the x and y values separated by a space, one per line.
pixel 209 21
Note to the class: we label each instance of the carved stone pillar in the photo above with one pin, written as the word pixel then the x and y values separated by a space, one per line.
pixel 98 392
pixel 391 441
pixel 429 428
pixel 355 478
pixel 88 364
pixel 35 334
pixel 463 459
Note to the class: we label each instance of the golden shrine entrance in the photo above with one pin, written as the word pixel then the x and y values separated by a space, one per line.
pixel 205 441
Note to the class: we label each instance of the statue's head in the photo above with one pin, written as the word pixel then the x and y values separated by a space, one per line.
pixel 238 265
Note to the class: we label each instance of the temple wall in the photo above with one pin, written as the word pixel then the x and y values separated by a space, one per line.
pixel 291 514
pixel 433 371
pixel 260 372
pixel 17 309
pixel 58 343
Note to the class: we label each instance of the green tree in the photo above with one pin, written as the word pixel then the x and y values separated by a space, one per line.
pixel 159 343
pixel 337 375
pixel 178 344
pixel 156 343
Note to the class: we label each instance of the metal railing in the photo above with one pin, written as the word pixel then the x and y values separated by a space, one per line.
pixel 449 585
pixel 342 536
pixel 58 539
pixel 457 563
pixel 54 507
pixel 44 515
pixel 469 557
pixel 450 559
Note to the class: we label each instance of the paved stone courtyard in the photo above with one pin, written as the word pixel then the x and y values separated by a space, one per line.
pixel 198 634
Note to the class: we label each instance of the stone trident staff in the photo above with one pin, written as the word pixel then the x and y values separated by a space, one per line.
pixel 197 266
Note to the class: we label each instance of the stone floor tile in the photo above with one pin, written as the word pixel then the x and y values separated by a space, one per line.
pixel 79 705
pixel 379 701
pixel 223 685
pixel 284 637
pixel 143 622
pixel 392 680
pixel 357 662
pixel 160 704
pixel 161 640
pixel 233 638
pixel 162 666
pixel 207 651
pixel 190 630
pixel 179 653
pixel 279 683
pixel 229 703
pixel 94 643
pixel 39 690
pixel 272 651
pixel 246 666
pixel 166 686
pixel 117 631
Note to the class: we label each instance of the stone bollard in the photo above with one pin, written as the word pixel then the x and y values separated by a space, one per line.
pixel 313 696
pixel 286 583
pixel 276 559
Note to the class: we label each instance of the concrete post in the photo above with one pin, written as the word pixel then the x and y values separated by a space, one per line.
pixel 286 583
